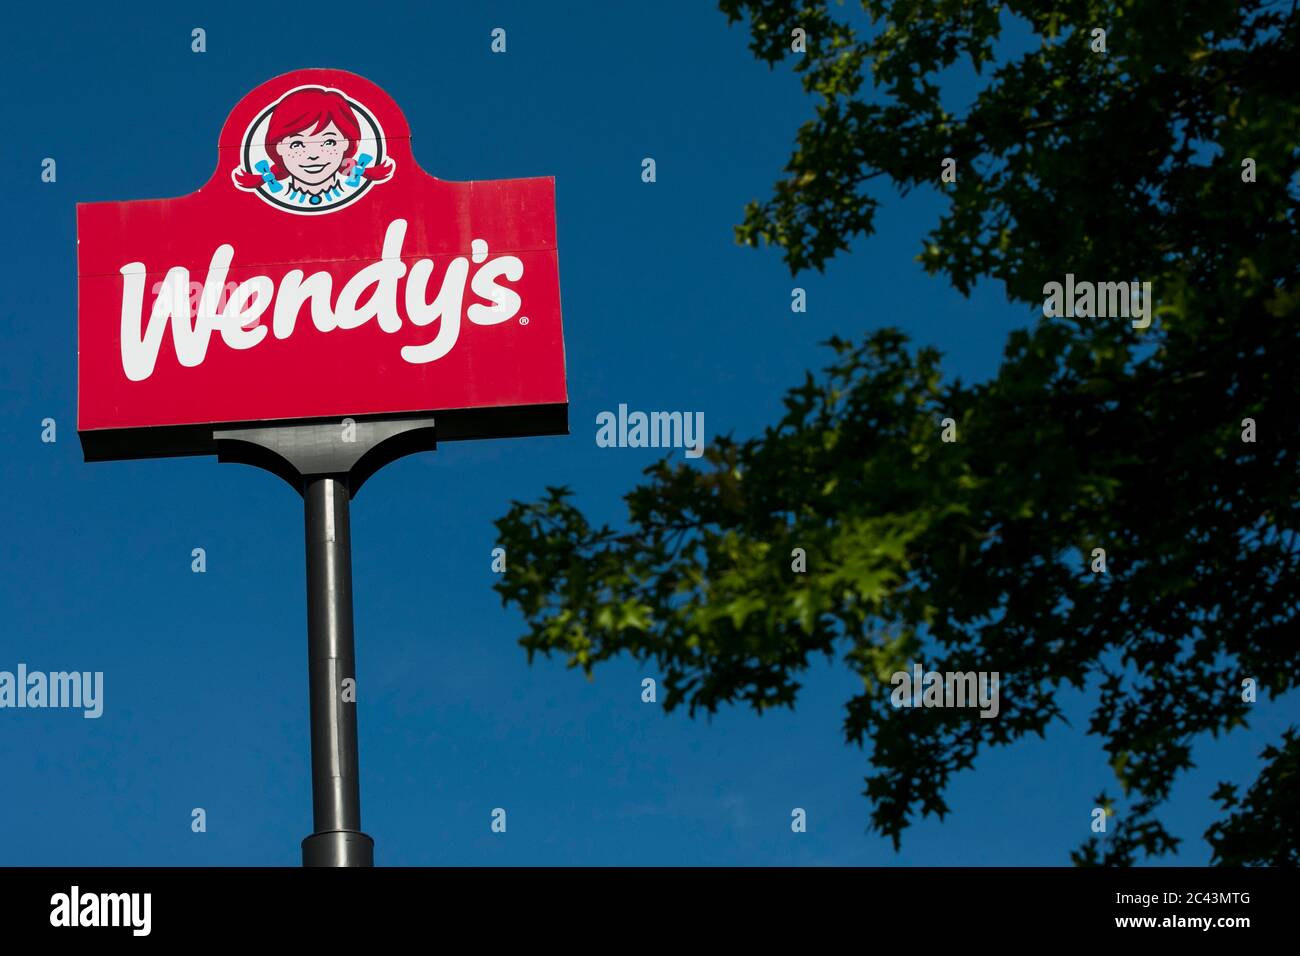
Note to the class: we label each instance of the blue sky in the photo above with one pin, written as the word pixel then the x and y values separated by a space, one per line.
pixel 205 674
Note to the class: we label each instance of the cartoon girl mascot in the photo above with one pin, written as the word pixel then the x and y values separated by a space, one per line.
pixel 312 141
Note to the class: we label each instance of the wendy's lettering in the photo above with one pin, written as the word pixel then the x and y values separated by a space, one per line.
pixel 383 291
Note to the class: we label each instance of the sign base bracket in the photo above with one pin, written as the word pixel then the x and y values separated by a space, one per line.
pixel 355 448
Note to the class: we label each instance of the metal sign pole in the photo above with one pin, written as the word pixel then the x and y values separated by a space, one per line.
pixel 335 778
pixel 327 463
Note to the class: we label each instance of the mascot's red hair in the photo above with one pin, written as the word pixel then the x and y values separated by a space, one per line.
pixel 305 113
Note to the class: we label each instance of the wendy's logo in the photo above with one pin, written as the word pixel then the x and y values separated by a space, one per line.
pixel 312 151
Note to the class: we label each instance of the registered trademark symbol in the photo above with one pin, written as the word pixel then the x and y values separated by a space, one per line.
pixel 523 320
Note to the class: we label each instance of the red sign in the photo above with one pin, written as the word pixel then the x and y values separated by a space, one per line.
pixel 319 274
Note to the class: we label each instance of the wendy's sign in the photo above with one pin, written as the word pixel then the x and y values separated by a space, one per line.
pixel 319 274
